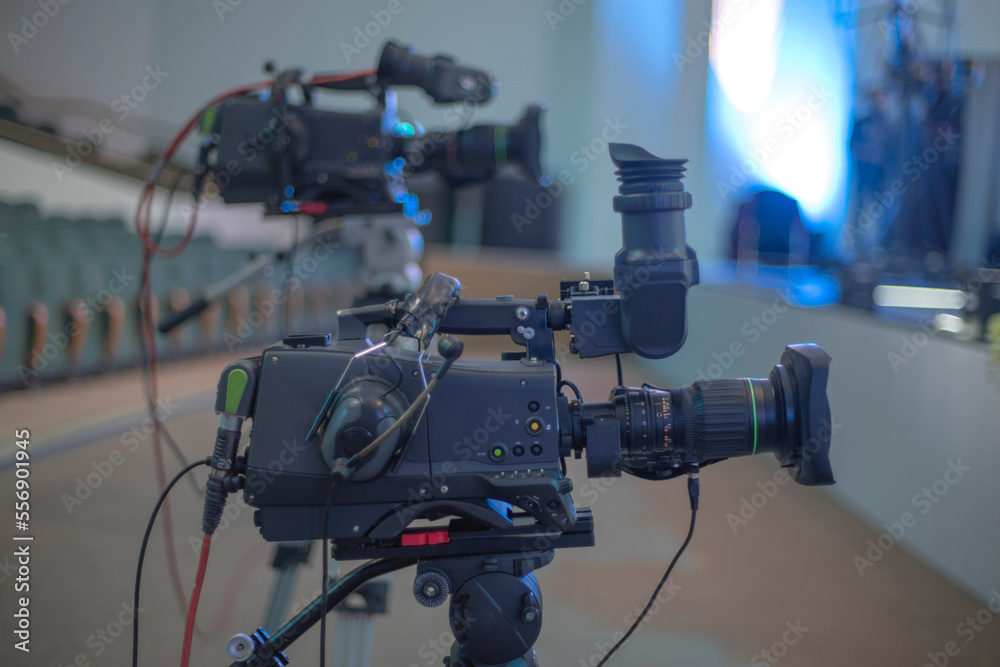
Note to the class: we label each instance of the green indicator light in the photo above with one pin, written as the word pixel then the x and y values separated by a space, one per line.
pixel 497 452
pixel 235 384
pixel 753 404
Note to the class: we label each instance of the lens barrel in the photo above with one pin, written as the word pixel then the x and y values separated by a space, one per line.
pixel 475 153
pixel 659 431
pixel 711 419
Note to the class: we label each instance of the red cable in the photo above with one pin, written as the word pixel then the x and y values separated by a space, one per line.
pixel 143 218
pixel 195 594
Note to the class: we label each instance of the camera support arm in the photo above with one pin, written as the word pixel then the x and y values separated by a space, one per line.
pixel 592 317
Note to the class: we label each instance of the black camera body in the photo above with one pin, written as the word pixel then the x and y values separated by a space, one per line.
pixel 297 158
pixel 502 445
pixel 328 153
pixel 374 436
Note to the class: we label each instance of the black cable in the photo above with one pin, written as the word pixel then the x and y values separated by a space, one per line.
pixel 572 386
pixel 402 373
pixel 325 555
pixel 618 364
pixel 693 492
pixel 142 554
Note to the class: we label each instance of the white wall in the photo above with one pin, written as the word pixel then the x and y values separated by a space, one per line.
pixel 897 428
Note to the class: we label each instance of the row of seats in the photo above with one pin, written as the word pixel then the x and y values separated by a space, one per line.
pixel 69 297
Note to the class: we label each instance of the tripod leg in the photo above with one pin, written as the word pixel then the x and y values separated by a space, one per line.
pixel 296 627
pixel 287 557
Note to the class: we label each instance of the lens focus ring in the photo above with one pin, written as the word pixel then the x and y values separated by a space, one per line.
pixel 723 419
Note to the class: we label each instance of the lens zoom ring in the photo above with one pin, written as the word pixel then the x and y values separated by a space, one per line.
pixel 723 419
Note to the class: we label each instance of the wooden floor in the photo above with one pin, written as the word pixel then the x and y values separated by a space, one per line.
pixel 736 592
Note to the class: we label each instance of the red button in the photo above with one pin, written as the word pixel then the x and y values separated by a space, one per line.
pixel 425 538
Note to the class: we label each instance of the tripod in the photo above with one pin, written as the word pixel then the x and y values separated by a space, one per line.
pixel 353 639
pixel 496 604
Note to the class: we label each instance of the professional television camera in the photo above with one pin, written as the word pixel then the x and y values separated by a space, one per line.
pixel 297 159
pixel 383 434
pixel 300 159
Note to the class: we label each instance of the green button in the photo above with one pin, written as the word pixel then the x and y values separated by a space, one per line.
pixel 498 452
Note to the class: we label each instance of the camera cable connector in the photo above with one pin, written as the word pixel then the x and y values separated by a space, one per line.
pixel 694 486
pixel 222 481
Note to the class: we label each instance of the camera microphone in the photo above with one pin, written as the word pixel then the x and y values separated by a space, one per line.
pixel 420 314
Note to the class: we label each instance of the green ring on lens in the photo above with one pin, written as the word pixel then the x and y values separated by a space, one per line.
pixel 753 407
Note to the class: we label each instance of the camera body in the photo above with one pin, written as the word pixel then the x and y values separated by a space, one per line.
pixel 328 154
pixel 502 445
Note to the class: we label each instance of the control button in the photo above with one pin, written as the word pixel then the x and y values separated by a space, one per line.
pixel 533 406
pixel 534 426
pixel 536 449
pixel 498 452
pixel 518 450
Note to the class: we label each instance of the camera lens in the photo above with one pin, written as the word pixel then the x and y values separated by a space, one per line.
pixel 660 430
pixel 711 419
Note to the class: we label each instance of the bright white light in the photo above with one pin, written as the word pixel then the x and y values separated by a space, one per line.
pixel 949 322
pixel 743 49
pixel 778 105
pixel 901 296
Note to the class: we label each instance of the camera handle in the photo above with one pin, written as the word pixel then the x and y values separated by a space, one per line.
pixel 495 611
pixel 263 650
